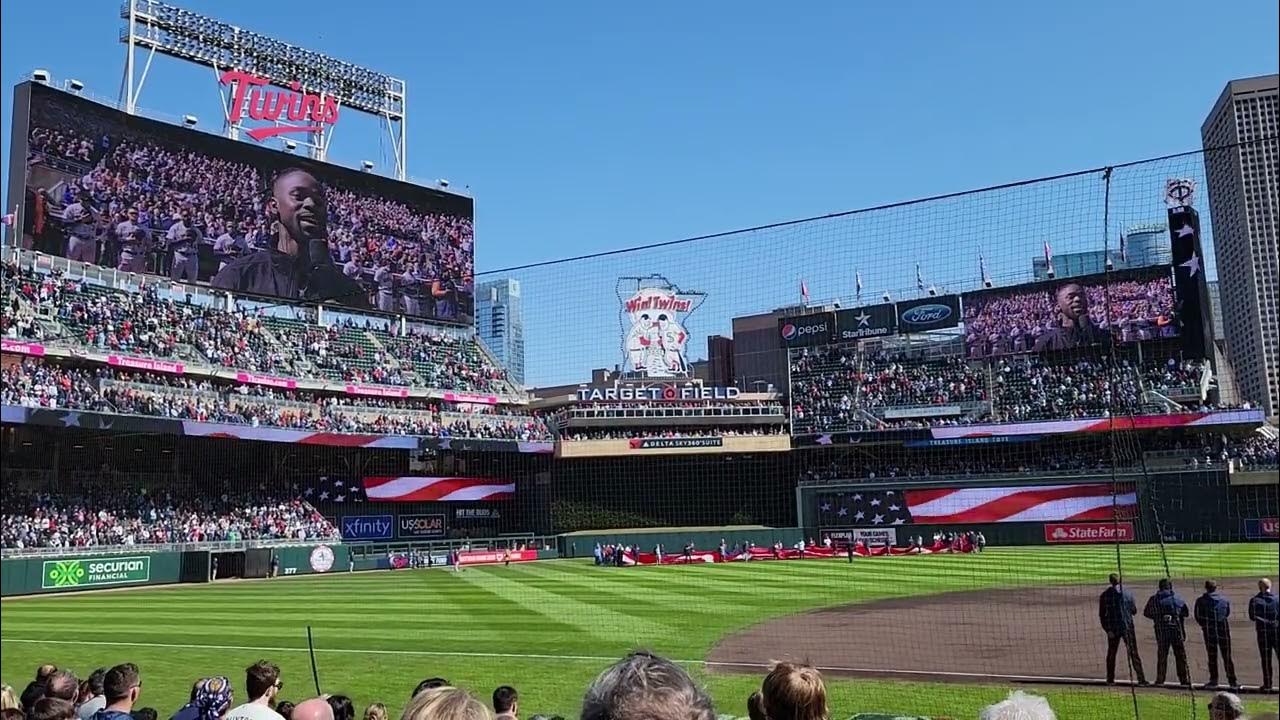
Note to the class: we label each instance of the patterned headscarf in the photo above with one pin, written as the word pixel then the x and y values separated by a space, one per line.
pixel 213 697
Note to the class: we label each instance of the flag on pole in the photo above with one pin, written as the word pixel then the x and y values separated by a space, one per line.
pixel 857 279
pixel 919 279
pixel 1048 258
pixel 982 270
pixel 10 218
pixel 1124 251
pixel 804 292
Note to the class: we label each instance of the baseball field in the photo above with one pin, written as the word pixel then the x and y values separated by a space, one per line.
pixel 918 633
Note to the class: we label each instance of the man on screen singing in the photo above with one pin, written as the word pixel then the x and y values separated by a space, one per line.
pixel 297 263
pixel 1072 327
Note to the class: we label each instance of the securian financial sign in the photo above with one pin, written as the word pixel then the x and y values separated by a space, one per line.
pixel 59 574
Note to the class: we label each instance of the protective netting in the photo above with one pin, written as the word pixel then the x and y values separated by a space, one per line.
pixel 906 444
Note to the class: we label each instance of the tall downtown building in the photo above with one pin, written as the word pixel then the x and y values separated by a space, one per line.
pixel 500 323
pixel 1245 207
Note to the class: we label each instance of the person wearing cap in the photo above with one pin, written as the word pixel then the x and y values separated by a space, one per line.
pixel 1264 611
pixel 1116 609
pixel 1168 613
pixel 210 700
pixel 1211 613
pixel 1225 706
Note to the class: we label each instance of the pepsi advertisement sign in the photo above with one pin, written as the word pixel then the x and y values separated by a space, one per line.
pixel 933 313
pixel 807 330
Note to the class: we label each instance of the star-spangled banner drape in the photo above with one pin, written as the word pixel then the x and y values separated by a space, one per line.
pixel 943 506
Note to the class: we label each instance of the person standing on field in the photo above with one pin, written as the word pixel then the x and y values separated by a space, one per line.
pixel 1168 613
pixel 1116 610
pixel 1264 611
pixel 1211 613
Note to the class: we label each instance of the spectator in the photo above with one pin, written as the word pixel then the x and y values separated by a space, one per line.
pixel 261 685
pixel 284 708
pixel 62 684
pixel 445 703
pixel 430 683
pixel 1019 706
pixel 51 708
pixel 313 709
pixel 146 713
pixel 1225 706
pixel 791 691
pixel 122 686
pixel 343 709
pixel 96 700
pixel 8 698
pixel 643 686
pixel 12 713
pixel 506 703
pixel 376 711
pixel 210 700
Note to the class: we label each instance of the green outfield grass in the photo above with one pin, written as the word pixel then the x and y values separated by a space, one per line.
pixel 549 627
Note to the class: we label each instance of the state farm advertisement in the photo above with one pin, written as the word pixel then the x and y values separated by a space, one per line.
pixel 1088 532
pixel 489 557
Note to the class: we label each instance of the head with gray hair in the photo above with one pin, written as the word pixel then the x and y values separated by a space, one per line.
pixel 1019 706
pixel 1225 706
pixel 643 686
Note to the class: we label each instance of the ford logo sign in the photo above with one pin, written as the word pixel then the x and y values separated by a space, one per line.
pixel 926 314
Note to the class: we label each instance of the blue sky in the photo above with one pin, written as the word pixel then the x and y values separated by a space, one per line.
pixel 582 127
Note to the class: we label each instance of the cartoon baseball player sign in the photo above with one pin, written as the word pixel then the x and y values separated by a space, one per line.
pixel 655 337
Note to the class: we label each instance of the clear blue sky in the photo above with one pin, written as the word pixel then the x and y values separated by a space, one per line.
pixel 584 126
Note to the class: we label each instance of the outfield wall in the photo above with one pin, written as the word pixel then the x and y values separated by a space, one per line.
pixel 72 573
pixel 674 539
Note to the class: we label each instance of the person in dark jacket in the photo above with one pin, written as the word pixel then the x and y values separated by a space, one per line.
pixel 1264 611
pixel 1168 613
pixel 1211 613
pixel 297 265
pixel 1116 609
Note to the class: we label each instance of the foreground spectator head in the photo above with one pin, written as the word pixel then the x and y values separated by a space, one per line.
pixel 49 708
pixel 44 671
pixel 262 682
pixel 794 691
pixel 506 701
pixel 31 694
pixel 430 683
pixel 146 713
pixel 343 709
pixel 313 709
pixel 211 698
pixel 96 680
pixel 62 684
pixel 8 698
pixel 643 686
pixel 1225 706
pixel 445 703
pixel 122 686
pixel 376 711
pixel 12 714
pixel 1019 706
pixel 284 708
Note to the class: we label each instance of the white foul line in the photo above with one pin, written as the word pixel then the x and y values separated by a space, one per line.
pixel 536 656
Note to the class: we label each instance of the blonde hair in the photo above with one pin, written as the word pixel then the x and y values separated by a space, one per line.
pixel 9 699
pixel 445 703
pixel 376 711
pixel 794 691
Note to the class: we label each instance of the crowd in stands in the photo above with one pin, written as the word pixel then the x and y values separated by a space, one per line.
pixel 111 516
pixel 36 383
pixel 148 322
pixel 1255 453
pixel 640 686
pixel 141 181
pixel 836 388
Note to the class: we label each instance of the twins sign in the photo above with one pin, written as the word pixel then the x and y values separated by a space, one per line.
pixel 654 324
pixel 304 112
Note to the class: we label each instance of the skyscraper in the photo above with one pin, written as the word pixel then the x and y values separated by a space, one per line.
pixel 500 323
pixel 1244 204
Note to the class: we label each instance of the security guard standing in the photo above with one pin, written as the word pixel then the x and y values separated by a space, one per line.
pixel 1116 609
pixel 1211 613
pixel 1264 611
pixel 1168 612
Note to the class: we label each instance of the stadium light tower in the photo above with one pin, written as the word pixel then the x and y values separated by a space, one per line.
pixel 158 27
